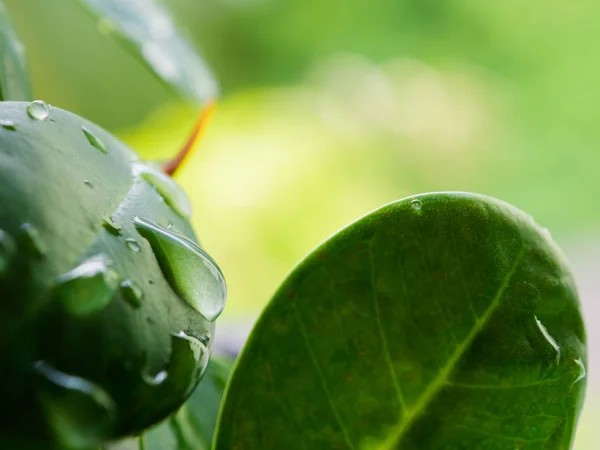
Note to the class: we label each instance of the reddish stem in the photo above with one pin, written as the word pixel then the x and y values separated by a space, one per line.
pixel 171 167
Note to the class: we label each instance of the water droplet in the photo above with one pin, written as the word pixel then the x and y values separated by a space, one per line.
pixel 416 204
pixel 131 293
pixel 189 347
pixel 582 372
pixel 170 225
pixel 166 187
pixel 7 251
pixel 188 269
pixel 549 339
pixel 132 245
pixel 94 140
pixel 8 125
pixel 89 287
pixel 38 110
pixel 32 240
pixel 80 413
pixel 88 183
pixel 110 226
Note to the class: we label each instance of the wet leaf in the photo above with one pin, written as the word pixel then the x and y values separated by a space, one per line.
pixel 14 76
pixel 442 321
pixel 79 300
pixel 192 427
pixel 147 30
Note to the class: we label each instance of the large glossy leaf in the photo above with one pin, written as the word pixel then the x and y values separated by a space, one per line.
pixel 192 427
pixel 147 30
pixel 442 321
pixel 14 77
pixel 96 340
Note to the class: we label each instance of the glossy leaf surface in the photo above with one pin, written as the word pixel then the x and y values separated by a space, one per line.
pixel 95 342
pixel 192 427
pixel 14 76
pixel 442 321
pixel 147 30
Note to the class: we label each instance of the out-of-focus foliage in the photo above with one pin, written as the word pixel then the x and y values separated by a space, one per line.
pixel 148 32
pixel 14 78
pixel 492 97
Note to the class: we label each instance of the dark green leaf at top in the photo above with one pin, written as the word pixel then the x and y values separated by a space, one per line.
pixel 148 31
pixel 14 77
pixel 96 341
pixel 443 321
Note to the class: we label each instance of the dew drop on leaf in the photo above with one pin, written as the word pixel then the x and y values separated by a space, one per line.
pixel 131 293
pixel 549 339
pixel 94 140
pixel 416 204
pixel 89 287
pixel 7 251
pixel 32 240
pixel 110 226
pixel 79 413
pixel 132 245
pixel 88 183
pixel 38 110
pixel 189 347
pixel 166 187
pixel 582 372
pixel 188 269
pixel 8 125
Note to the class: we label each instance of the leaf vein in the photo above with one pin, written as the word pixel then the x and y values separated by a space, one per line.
pixel 439 382
pixel 321 375
pixel 382 335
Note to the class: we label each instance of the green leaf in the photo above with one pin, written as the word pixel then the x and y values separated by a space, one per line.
pixel 149 33
pixel 14 77
pixel 192 427
pixel 442 321
pixel 96 343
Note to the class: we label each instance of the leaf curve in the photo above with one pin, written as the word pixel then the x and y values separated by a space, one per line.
pixel 445 320
pixel 192 427
pixel 96 342
pixel 147 31
pixel 14 76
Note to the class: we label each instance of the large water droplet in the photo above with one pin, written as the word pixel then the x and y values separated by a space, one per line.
pixel 416 204
pixel 132 245
pixel 32 240
pixel 94 140
pixel 190 350
pixel 110 226
pixel 131 293
pixel 89 287
pixel 38 110
pixel 166 187
pixel 80 413
pixel 188 269
pixel 8 125
pixel 7 251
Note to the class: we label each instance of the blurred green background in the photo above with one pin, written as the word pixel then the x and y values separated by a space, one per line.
pixel 331 108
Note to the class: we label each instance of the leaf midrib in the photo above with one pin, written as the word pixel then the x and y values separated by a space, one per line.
pixel 440 381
